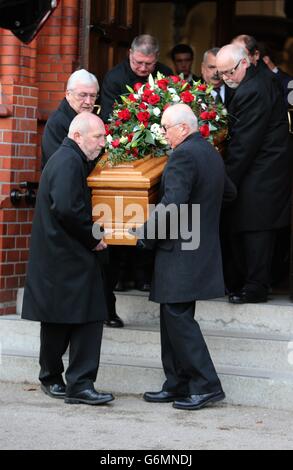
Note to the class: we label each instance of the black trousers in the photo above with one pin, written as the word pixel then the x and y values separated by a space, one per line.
pixel 186 360
pixel 84 342
pixel 248 259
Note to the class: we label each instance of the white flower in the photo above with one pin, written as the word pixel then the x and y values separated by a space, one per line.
pixel 155 129
pixel 123 140
pixel 172 91
pixel 157 112
pixel 109 138
pixel 203 106
pixel 175 98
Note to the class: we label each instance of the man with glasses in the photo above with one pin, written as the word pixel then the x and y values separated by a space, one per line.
pixel 258 163
pixel 81 94
pixel 186 272
pixel 142 61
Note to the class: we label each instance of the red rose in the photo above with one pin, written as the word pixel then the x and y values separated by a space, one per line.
pixel 143 116
pixel 205 130
pixel 130 136
pixel 137 86
pixel 205 115
pixel 163 83
pixel 175 78
pixel 154 99
pixel 124 114
pixel 134 152
pixel 202 87
pixel 212 115
pixel 143 106
pixel 132 98
pixel 116 143
pixel 118 123
pixel 146 95
pixel 187 97
pixel 108 130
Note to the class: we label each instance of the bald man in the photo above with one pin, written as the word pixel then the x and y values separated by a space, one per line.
pixel 259 165
pixel 64 287
pixel 186 268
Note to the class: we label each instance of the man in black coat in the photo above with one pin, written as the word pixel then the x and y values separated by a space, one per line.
pixel 258 163
pixel 64 286
pixel 81 94
pixel 188 263
pixel 142 61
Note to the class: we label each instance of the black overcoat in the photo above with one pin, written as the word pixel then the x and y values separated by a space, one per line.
pixel 56 129
pixel 194 174
pixel 115 81
pixel 258 160
pixel 64 281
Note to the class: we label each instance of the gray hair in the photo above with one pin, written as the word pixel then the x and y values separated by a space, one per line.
pixel 146 44
pixel 182 114
pixel 214 51
pixel 83 77
pixel 238 53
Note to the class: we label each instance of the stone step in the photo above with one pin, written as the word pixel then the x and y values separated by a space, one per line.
pixel 230 349
pixel 120 375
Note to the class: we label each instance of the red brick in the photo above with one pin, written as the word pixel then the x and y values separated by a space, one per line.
pixel 13 256
pixel 7 296
pixel 24 255
pixel 21 242
pixel 11 282
pixel 8 242
pixel 22 215
pixel 26 229
pixel 20 268
pixel 7 269
pixel 9 310
pixel 10 215
pixel 5 149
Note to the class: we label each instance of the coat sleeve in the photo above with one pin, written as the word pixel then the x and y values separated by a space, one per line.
pixel 179 179
pixel 251 115
pixel 69 205
pixel 55 132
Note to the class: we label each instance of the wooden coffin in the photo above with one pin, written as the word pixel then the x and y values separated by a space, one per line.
pixel 121 196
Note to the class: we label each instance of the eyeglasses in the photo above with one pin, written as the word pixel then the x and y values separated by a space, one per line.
pixel 230 73
pixel 165 128
pixel 83 96
pixel 139 63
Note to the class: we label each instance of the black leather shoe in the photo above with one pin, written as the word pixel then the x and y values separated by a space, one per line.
pixel 143 286
pixel 114 321
pixel 196 402
pixel 120 286
pixel 54 390
pixel 89 397
pixel 246 297
pixel 162 396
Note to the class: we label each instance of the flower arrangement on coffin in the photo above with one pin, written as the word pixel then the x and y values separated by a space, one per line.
pixel 134 130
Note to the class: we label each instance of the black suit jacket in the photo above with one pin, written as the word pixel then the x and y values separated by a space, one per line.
pixel 258 161
pixel 194 175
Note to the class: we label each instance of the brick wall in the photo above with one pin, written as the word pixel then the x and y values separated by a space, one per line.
pixel 32 83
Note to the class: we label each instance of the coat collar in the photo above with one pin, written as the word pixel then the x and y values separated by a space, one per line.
pixel 67 109
pixel 67 142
